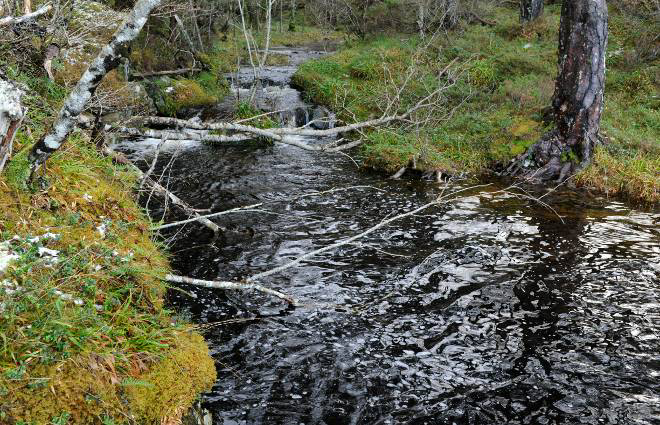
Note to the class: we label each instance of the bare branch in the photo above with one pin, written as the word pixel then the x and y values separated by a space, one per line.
pixel 352 239
pixel 251 207
pixel 11 20
pixel 163 192
pixel 159 73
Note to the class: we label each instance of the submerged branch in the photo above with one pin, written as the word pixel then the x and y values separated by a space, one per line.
pixel 360 235
pixel 248 208
pixel 159 189
pixel 217 284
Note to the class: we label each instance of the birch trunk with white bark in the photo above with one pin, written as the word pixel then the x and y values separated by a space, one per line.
pixel 11 116
pixel 107 60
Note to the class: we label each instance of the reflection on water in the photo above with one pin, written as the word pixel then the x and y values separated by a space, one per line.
pixel 486 310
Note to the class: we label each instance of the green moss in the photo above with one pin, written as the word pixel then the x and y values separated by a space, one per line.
pixel 365 67
pixel 482 73
pixel 59 357
pixel 18 170
pixel 156 398
pixel 173 96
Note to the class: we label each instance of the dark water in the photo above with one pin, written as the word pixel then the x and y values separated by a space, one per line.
pixel 485 310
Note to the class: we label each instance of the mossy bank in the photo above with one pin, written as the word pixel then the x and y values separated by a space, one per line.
pixel 495 109
pixel 85 337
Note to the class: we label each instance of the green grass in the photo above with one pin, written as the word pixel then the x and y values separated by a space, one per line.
pixel 498 100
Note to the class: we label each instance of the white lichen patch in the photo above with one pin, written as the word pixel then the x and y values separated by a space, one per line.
pixel 102 228
pixel 11 101
pixel 9 251
pixel 6 256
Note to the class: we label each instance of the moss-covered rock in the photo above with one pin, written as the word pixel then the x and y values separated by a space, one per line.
pixel 181 97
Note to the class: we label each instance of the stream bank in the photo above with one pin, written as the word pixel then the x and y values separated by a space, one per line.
pixel 86 336
pixel 487 309
pixel 496 105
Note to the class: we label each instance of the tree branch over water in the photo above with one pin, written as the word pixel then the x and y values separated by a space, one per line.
pixel 193 130
pixel 249 282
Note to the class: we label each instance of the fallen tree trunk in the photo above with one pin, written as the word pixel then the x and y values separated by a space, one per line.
pixel 74 104
pixel 217 284
pixel 239 137
pixel 281 135
pixel 160 73
pixel 11 117
pixel 12 20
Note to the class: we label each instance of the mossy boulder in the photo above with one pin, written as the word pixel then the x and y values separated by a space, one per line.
pixel 183 97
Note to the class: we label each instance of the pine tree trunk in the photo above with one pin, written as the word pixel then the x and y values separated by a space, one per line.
pixel 580 87
pixel 579 95
pixel 530 9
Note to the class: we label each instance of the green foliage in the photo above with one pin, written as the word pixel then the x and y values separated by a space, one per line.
pixel 246 112
pixel 61 419
pixel 482 73
pixel 365 67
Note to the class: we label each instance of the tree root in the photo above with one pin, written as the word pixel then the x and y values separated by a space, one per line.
pixel 548 160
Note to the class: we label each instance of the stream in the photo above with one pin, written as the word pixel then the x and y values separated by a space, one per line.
pixel 487 309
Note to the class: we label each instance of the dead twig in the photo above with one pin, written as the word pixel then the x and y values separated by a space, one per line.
pixel 157 188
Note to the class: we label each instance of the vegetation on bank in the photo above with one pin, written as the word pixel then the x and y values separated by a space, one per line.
pixel 84 331
pixel 500 100
pixel 84 335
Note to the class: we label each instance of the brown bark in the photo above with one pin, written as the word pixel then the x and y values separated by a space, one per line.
pixel 530 9
pixel 579 95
